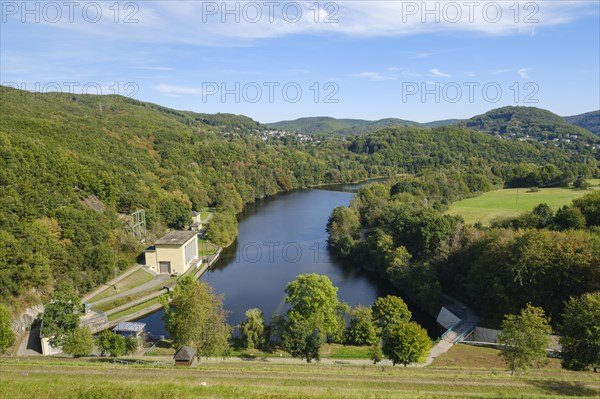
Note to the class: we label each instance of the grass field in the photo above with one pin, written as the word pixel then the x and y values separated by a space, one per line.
pixel 98 378
pixel 134 309
pixel 478 357
pixel 134 296
pixel 138 277
pixel 511 202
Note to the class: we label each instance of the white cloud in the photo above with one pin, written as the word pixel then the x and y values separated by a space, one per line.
pixel 374 76
pixel 500 71
pixel 176 91
pixel 523 73
pixel 437 72
pixel 193 23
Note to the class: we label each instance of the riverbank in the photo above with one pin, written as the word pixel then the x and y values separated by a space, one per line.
pixel 138 301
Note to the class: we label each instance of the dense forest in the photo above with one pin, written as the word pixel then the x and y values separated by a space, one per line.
pixel 589 121
pixel 522 122
pixel 530 122
pixel 400 230
pixel 342 127
pixel 72 167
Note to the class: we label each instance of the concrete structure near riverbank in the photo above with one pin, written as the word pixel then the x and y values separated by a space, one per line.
pixel 174 253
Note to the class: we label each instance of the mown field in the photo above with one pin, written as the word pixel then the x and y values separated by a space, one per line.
pixel 511 202
pixel 91 379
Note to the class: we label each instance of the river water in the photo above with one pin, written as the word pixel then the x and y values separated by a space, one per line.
pixel 280 238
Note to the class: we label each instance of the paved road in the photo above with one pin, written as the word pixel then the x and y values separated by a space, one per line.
pixel 286 360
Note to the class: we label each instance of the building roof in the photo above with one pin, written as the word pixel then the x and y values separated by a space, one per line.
pixel 185 354
pixel 176 237
pixel 194 213
pixel 128 326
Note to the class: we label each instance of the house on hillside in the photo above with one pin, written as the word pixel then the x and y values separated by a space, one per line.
pixel 185 356
pixel 196 223
pixel 175 253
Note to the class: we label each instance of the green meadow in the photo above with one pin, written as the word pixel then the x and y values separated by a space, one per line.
pixel 485 377
pixel 511 202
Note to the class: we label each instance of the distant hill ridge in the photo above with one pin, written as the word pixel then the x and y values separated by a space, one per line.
pixel 535 122
pixel 589 121
pixel 343 127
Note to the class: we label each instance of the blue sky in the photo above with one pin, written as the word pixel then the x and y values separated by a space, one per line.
pixel 420 61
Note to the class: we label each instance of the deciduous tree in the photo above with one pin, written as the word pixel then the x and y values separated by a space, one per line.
pixel 361 329
pixel 390 310
pixel 195 317
pixel 79 342
pixel 253 329
pixel 60 317
pixel 580 332
pixel 405 343
pixel 314 317
pixel 343 228
pixel 6 334
pixel 116 345
pixel 524 339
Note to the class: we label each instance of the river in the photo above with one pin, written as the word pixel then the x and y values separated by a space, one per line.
pixel 279 238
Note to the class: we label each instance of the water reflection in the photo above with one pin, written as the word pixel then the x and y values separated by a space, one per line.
pixel 280 238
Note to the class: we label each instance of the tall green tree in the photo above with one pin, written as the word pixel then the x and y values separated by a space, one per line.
pixel 253 329
pixel 195 317
pixel 580 332
pixel 524 339
pixel 569 217
pixel 60 317
pixel 7 336
pixel 116 345
pixel 589 205
pixel 312 295
pixel 390 310
pixel 222 228
pixel 361 329
pixel 303 338
pixel 376 353
pixel 315 315
pixel 79 342
pixel 405 343
pixel 343 228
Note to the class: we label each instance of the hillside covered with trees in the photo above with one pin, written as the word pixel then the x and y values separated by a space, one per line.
pixel 72 167
pixel 401 231
pixel 531 123
pixel 589 121
pixel 342 127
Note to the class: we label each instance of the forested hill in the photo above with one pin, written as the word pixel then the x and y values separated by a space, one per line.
pixel 343 127
pixel 530 123
pixel 589 121
pixel 517 123
pixel 57 150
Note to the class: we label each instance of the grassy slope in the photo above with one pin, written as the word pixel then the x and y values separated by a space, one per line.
pixel 504 203
pixel 53 378
pixel 135 279
pixel 468 356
